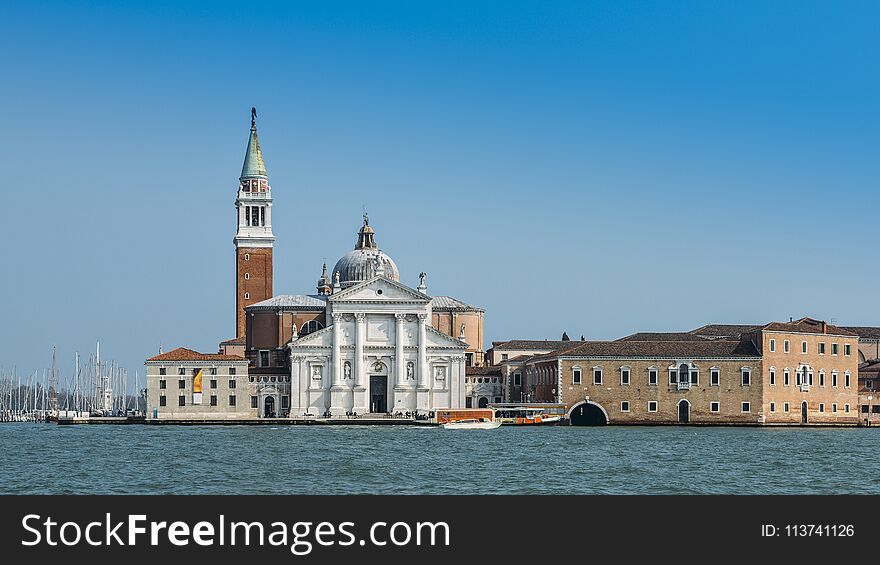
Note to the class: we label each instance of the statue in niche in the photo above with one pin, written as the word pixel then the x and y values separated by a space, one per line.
pixel 346 371
pixel 316 373
pixel 439 373
pixel 410 371
pixel 461 333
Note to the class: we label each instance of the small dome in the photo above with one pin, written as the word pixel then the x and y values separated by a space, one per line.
pixel 365 260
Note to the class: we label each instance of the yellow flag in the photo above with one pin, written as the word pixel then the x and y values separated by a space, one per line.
pixel 197 382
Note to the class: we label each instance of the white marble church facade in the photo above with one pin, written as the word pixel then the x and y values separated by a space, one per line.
pixel 379 354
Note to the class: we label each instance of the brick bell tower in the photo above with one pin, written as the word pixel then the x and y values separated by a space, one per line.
pixel 254 238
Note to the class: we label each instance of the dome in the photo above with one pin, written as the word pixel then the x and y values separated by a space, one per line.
pixel 365 260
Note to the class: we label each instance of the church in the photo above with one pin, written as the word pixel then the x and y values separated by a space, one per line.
pixel 362 343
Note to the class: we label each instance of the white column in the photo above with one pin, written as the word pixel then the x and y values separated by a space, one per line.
pixel 336 365
pixel 399 364
pixel 295 387
pixel 424 378
pixel 359 335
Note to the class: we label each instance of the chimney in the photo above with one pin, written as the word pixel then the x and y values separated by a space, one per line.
pixel 824 327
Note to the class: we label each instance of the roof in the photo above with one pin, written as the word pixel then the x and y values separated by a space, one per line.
pixel 717 331
pixel 449 303
pixel 253 158
pixel 870 369
pixel 658 349
pixel 184 354
pixel 493 370
pixel 864 332
pixel 242 340
pixel 533 345
pixel 807 325
pixel 292 301
pixel 662 336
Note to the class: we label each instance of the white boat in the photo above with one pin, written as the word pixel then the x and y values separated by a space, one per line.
pixel 481 424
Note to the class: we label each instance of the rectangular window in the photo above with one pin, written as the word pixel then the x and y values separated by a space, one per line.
pixel 597 376
pixel 673 377
pixel 786 377
pixel 821 379
pixel 161 401
pixel 786 407
pixel 821 407
pixel 786 346
pixel 846 408
pixel 803 347
pixel 772 346
pixel 231 370
pixel 772 377
pixel 181 383
pixel 231 383
pixel 822 348
pixel 232 400
pixel 468 402
pixel 834 347
pixel 504 356
pixel 714 406
pixel 715 377
pixel 213 400
pixel 264 358
pixel 262 215
pixel 212 371
pixel 575 376
pixel 746 377
pixel 652 376
pixel 847 349
pixel 746 407
pixel 181 400
pixel 624 376
pixel 213 383
pixel 652 406
pixel 624 406
pixel 247 215
pixel 162 371
pixel 517 379
pixel 695 377
pixel 255 402
pixel 285 401
pixel 181 371
pixel 846 380
pixel 834 380
pixel 162 384
pixel 773 407
pixel 833 408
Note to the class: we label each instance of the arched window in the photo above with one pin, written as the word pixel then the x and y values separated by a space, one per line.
pixel 310 326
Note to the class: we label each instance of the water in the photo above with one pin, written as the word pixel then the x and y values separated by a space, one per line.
pixel 49 459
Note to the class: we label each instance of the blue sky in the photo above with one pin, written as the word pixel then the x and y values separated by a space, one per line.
pixel 594 167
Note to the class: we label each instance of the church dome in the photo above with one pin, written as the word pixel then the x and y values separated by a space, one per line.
pixel 365 260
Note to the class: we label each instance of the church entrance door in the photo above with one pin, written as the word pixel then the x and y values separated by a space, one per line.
pixel 378 394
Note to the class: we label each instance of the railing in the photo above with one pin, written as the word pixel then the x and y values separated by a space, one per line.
pixel 805 387
pixel 684 385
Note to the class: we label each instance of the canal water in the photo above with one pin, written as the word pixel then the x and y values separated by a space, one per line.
pixel 50 459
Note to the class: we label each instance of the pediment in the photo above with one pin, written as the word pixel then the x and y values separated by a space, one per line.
pixel 378 290
pixel 436 338
pixel 320 338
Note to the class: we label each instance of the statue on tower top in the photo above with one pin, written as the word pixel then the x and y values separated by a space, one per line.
pixel 253 117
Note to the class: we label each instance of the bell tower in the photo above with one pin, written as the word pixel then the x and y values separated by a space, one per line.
pixel 253 239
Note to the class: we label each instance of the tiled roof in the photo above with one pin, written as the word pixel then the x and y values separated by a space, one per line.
pixel 732 331
pixel 807 325
pixel 657 349
pixel 534 345
pixel 864 332
pixel 490 370
pixel 184 354
pixel 661 336
pixel 293 301
pixel 870 369
pixel 235 341
pixel 449 303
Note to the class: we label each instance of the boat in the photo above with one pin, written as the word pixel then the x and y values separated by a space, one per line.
pixel 513 415
pixel 472 424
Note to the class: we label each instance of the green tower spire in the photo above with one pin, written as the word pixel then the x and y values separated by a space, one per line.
pixel 253 160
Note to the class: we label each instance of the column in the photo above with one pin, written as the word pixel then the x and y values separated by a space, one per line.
pixel 359 336
pixel 424 378
pixel 336 365
pixel 295 386
pixel 399 364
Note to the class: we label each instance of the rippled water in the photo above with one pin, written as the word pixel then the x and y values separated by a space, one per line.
pixel 41 458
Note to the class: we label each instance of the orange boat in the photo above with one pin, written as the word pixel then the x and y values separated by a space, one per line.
pixel 524 416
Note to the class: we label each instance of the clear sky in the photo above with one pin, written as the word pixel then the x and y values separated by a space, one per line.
pixel 594 167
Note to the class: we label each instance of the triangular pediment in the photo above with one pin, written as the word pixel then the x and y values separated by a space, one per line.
pixel 320 338
pixel 378 290
pixel 436 338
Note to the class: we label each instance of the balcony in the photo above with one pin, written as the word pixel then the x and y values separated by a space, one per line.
pixel 683 385
pixel 805 387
